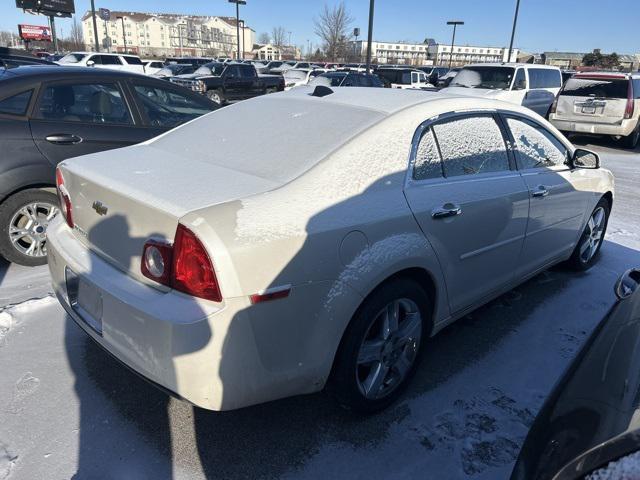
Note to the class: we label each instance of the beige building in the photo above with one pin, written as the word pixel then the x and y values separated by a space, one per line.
pixel 162 34
pixel 390 52
pixel 266 52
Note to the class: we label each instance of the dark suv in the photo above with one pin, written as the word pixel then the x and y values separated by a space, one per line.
pixel 49 114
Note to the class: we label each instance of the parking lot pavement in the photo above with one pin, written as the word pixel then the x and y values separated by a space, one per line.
pixel 67 408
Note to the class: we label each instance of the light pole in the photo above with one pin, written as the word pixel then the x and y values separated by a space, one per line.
pixel 95 25
pixel 370 35
pixel 238 3
pixel 455 23
pixel 513 31
pixel 124 35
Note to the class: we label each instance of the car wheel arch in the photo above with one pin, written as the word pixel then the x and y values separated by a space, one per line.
pixel 421 276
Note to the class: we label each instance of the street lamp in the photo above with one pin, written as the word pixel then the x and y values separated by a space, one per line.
pixel 370 35
pixel 238 3
pixel 455 23
pixel 513 31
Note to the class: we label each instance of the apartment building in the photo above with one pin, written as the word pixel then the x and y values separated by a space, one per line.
pixel 162 34
pixel 431 52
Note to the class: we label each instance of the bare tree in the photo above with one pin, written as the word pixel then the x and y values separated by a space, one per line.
pixel 264 38
pixel 278 36
pixel 332 26
pixel 6 38
pixel 75 37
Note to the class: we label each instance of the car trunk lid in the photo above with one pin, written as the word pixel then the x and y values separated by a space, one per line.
pixel 122 198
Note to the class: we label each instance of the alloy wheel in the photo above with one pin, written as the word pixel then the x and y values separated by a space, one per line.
pixel 389 349
pixel 28 228
pixel 593 234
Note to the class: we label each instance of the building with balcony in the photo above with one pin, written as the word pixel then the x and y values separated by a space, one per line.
pixel 164 35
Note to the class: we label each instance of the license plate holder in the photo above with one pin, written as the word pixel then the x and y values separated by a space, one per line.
pixel 589 110
pixel 85 300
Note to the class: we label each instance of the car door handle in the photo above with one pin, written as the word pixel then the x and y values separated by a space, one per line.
pixel 447 210
pixel 540 192
pixel 63 139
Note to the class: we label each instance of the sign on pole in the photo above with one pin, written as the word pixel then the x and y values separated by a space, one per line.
pixel 104 14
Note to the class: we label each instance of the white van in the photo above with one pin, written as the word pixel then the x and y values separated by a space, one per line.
pixel 114 61
pixel 533 86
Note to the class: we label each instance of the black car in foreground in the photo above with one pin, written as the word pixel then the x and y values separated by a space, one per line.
pixel 51 113
pixel 590 422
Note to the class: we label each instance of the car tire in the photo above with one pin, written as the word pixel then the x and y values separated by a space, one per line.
pixel 26 213
pixel 216 97
pixel 586 251
pixel 367 350
pixel 632 140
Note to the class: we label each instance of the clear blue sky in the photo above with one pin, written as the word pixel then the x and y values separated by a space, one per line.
pixel 564 25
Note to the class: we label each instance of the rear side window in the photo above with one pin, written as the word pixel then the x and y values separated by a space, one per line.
pixel 471 145
pixel 536 147
pixel 636 88
pixel 427 164
pixel 86 103
pixel 596 87
pixel 544 78
pixel 16 104
pixel 247 71
pixel 132 60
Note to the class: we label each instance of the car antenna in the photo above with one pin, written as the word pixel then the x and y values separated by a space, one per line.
pixel 321 91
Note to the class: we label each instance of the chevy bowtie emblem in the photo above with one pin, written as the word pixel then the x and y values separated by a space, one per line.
pixel 99 208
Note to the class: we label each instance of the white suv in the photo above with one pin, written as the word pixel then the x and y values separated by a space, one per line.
pixel 532 86
pixel 601 104
pixel 114 61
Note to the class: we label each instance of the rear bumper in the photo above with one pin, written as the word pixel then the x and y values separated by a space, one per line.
pixel 203 352
pixel 624 128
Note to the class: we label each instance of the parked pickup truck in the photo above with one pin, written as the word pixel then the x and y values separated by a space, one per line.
pixel 225 82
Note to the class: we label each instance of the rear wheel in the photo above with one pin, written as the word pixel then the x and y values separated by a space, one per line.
pixel 24 219
pixel 588 247
pixel 381 347
pixel 632 140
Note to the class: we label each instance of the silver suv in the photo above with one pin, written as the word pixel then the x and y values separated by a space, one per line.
pixel 601 104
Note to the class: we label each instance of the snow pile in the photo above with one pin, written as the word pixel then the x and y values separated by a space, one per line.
pixel 10 315
pixel 625 468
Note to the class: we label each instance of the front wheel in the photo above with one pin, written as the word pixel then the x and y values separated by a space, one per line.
pixel 216 97
pixel 588 247
pixel 24 218
pixel 381 346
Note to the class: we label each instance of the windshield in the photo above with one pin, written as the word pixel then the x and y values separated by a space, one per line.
pixel 493 78
pixel 72 58
pixel 211 69
pixel 295 74
pixel 328 80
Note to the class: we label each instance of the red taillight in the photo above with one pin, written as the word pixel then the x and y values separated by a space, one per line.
pixel 63 196
pixel 554 105
pixel 628 110
pixel 185 266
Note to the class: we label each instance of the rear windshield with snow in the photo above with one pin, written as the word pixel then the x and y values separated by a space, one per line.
pixel 272 137
pixel 596 87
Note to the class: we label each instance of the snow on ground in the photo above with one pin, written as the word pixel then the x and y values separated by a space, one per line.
pixel 67 409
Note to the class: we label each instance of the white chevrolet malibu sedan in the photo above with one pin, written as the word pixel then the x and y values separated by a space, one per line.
pixel 315 238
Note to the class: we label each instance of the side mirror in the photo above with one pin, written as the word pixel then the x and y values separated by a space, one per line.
pixel 585 159
pixel 90 63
